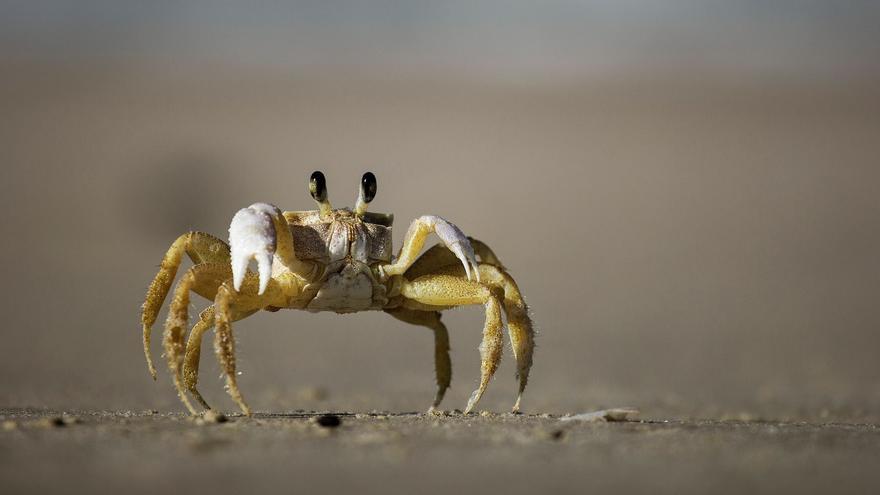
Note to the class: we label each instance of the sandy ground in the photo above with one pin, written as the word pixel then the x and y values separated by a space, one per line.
pixel 704 250
pixel 148 452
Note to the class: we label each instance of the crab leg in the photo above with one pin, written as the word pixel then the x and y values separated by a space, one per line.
pixel 201 248
pixel 204 279
pixel 453 238
pixel 224 346
pixel 448 290
pixel 519 324
pixel 442 363
pixel 439 260
pixel 194 351
pixel 193 354
pixel 439 256
pixel 227 304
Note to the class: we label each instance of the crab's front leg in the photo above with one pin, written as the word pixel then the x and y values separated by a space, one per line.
pixel 231 304
pixel 452 237
pixel 260 232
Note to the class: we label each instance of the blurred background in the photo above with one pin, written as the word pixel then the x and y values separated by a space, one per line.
pixel 687 193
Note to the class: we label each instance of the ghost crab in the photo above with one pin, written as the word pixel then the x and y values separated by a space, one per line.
pixel 333 260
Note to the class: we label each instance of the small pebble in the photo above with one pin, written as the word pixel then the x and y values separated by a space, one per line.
pixel 71 420
pixel 211 417
pixel 52 422
pixel 328 420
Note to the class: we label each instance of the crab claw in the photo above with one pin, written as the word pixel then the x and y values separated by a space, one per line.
pixel 458 243
pixel 252 236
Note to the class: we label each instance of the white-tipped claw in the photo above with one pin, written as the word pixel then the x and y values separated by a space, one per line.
pixel 458 243
pixel 465 253
pixel 252 237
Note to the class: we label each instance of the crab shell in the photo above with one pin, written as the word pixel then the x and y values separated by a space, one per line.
pixel 347 247
pixel 329 240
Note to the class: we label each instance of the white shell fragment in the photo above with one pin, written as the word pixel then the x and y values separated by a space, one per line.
pixel 614 414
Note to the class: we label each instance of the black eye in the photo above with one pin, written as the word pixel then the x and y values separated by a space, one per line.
pixel 318 186
pixel 368 186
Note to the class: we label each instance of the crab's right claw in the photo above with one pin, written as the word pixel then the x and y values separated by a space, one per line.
pixel 459 244
pixel 252 236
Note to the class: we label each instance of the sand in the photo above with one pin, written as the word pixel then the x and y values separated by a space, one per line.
pixel 380 452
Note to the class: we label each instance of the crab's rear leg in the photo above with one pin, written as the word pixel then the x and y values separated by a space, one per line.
pixel 449 290
pixel 442 363
pixel 519 324
pixel 439 260
pixel 201 248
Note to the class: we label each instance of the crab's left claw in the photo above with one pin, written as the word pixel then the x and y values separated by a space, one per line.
pixel 453 238
pixel 252 236
pixel 457 242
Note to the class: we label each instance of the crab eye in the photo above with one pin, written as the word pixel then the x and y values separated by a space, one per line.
pixel 318 186
pixel 368 186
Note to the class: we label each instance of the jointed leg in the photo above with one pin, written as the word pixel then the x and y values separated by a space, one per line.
pixel 522 340
pixel 485 253
pixel 204 280
pixel 490 350
pixel 519 324
pixel 453 238
pixel 228 303
pixel 193 354
pixel 201 248
pixel 194 351
pixel 439 256
pixel 439 260
pixel 449 290
pixel 442 363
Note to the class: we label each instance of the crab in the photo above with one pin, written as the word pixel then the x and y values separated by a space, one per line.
pixel 336 260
